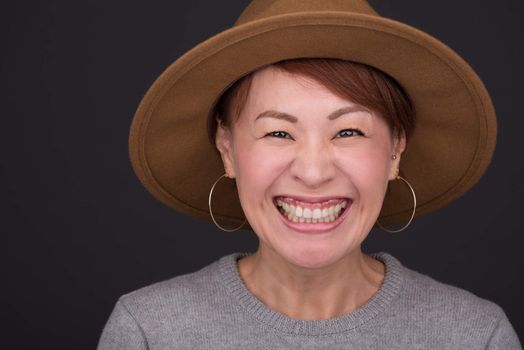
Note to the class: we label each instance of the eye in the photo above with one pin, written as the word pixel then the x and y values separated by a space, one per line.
pixel 349 133
pixel 278 134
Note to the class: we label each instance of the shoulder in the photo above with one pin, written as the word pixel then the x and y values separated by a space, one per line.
pixel 442 313
pixel 455 311
pixel 424 289
pixel 450 299
pixel 183 295
pixel 169 309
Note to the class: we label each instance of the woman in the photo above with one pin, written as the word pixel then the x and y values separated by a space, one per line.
pixel 330 119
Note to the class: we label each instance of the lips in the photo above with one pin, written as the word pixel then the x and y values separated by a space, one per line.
pixel 312 214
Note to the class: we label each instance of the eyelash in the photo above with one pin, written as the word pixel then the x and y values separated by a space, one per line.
pixel 353 130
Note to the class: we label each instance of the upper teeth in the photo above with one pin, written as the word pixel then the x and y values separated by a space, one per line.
pixel 304 214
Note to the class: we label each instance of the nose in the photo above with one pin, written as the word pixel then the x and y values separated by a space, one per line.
pixel 313 164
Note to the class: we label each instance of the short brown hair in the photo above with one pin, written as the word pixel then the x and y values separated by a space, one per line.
pixel 360 83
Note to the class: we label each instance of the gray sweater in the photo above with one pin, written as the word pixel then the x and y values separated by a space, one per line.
pixel 212 309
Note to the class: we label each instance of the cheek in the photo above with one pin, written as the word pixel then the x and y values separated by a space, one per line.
pixel 257 168
pixel 255 162
pixel 368 168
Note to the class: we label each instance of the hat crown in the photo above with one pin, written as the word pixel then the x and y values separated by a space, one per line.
pixel 260 9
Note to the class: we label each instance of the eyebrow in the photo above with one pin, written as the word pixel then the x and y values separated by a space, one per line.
pixel 293 119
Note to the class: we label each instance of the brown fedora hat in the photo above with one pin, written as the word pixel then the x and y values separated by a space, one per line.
pixel 448 152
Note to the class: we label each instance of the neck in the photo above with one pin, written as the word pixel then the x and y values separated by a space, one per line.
pixel 311 294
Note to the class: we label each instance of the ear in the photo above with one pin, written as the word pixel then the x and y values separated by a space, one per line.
pixel 224 144
pixel 399 145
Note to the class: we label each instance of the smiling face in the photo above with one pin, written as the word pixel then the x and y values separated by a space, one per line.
pixel 311 167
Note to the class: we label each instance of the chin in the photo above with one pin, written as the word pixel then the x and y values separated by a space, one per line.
pixel 312 257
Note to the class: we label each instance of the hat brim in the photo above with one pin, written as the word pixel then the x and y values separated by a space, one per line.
pixel 449 151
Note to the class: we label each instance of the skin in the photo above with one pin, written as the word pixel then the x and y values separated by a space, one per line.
pixel 308 276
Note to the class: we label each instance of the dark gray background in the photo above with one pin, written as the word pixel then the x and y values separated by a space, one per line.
pixel 77 228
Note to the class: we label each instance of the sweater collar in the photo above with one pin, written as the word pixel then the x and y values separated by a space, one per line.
pixel 377 304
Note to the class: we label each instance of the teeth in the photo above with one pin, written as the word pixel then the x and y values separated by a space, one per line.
pixel 297 213
pixel 307 213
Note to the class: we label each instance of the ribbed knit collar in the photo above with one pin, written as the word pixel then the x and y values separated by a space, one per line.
pixel 379 302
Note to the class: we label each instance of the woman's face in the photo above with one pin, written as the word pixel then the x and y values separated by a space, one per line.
pixel 311 168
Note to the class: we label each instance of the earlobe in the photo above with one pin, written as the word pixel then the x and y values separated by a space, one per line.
pixel 223 143
pixel 398 148
pixel 394 169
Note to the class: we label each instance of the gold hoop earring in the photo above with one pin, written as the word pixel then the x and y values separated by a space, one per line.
pixel 412 214
pixel 211 212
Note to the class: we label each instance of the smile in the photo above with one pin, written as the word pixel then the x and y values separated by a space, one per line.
pixel 298 211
